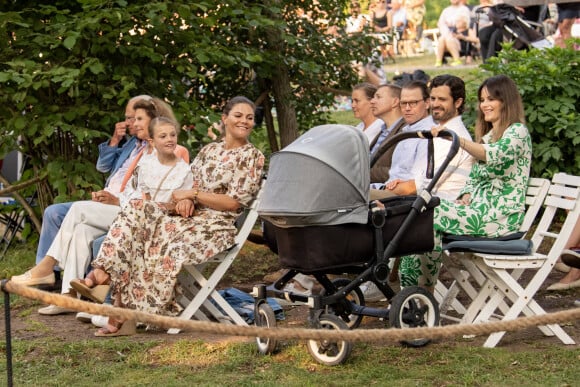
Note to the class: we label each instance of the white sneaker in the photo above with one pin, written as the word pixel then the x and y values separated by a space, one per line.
pixel 53 310
pixel 99 321
pixel 371 292
pixel 577 303
pixel 84 317
pixel 291 287
pixel 306 282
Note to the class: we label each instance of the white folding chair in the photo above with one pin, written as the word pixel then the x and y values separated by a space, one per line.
pixel 199 291
pixel 504 282
pixel 467 273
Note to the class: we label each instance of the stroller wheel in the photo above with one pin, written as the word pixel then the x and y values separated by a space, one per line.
pixel 265 318
pixel 330 352
pixel 342 309
pixel 414 307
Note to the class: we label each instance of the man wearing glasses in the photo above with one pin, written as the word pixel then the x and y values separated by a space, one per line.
pixel 447 99
pixel 414 105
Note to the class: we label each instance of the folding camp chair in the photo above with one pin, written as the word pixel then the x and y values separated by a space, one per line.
pixel 13 217
pixel 503 273
pixel 467 272
pixel 200 297
pixel 13 222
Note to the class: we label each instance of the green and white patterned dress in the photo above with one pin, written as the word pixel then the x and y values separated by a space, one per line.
pixel 498 193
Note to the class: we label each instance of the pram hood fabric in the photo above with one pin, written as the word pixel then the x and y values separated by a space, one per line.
pixel 322 178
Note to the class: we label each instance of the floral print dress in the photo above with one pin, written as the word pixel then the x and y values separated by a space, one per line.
pixel 146 248
pixel 498 193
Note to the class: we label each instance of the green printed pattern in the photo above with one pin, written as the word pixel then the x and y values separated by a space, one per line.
pixel 498 192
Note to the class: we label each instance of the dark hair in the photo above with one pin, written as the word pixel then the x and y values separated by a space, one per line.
pixel 368 88
pixel 456 86
pixel 417 85
pixel 237 100
pixel 504 89
pixel 157 121
pixel 155 107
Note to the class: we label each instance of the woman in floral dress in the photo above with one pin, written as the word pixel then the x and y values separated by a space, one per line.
pixel 492 202
pixel 149 242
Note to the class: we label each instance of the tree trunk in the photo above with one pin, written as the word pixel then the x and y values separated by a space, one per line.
pixel 283 97
pixel 280 83
pixel 270 126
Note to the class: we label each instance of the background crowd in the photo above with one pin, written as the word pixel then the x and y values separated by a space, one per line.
pixel 463 29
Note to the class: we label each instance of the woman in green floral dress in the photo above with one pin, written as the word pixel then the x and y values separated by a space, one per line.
pixel 492 202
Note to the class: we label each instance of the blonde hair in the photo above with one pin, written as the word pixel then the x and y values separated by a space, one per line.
pixel 158 121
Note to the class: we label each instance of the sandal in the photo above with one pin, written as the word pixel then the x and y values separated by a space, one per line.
pixel 115 328
pixel 96 293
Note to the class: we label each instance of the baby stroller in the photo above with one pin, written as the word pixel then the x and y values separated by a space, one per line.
pixel 512 27
pixel 317 217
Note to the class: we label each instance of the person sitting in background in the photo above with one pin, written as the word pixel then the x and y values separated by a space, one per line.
pixel 572 279
pixel 567 15
pixel 468 40
pixel 492 203
pixel 356 22
pixel 463 42
pixel 447 25
pixel 149 242
pixel 382 28
pixel 398 19
pixel 415 15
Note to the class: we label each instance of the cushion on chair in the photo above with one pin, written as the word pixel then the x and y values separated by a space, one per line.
pixel 450 237
pixel 491 246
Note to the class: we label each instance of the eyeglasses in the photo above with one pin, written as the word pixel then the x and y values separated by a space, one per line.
pixel 130 119
pixel 410 104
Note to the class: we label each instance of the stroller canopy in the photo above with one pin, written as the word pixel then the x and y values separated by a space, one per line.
pixel 322 178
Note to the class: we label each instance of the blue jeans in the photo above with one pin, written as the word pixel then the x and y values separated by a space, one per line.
pixel 51 221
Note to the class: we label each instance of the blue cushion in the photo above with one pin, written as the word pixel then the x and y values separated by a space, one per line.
pixel 507 247
pixel 509 237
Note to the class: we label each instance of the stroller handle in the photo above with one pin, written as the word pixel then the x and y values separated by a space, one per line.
pixel 427 135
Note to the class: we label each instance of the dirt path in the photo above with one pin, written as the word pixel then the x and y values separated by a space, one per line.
pixel 27 324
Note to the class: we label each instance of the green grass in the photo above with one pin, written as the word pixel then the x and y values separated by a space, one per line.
pixel 122 362
pixel 49 361
pixel 148 361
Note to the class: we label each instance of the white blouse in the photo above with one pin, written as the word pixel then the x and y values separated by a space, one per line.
pixel 158 180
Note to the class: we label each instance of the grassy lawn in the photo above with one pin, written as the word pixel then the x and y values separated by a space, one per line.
pixel 41 359
pixel 154 359
pixel 122 362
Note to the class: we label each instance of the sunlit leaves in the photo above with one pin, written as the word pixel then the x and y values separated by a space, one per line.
pixel 549 82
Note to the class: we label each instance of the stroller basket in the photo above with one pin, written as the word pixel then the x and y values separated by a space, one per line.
pixel 322 248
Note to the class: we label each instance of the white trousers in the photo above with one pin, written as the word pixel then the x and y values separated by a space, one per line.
pixel 84 222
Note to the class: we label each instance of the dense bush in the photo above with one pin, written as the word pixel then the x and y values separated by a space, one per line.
pixel 549 81
pixel 67 69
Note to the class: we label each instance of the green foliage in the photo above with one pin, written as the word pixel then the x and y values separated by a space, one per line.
pixel 549 82
pixel 67 68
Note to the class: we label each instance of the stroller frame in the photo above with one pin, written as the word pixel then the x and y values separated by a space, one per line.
pixel 341 303
pixel 513 27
